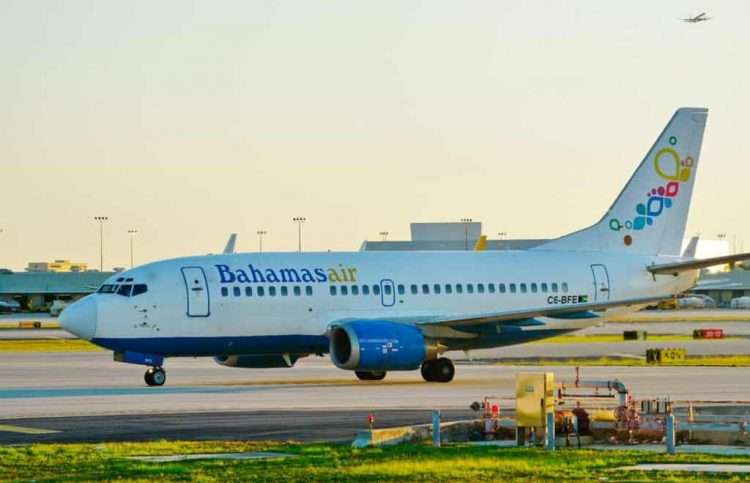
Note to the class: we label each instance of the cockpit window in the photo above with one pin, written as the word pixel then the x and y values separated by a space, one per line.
pixel 139 288
pixel 108 288
pixel 119 279
pixel 124 290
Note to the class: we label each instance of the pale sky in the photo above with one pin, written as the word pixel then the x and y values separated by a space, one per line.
pixel 191 120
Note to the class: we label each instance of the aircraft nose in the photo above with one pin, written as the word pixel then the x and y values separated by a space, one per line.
pixel 80 318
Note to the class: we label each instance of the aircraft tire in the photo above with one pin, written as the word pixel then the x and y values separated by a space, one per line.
pixel 438 370
pixel 370 375
pixel 155 376
pixel 444 369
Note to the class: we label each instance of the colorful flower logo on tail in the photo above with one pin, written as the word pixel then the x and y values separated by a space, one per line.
pixel 669 167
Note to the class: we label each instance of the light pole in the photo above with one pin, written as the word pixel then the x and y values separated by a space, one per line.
pixel 384 234
pixel 131 234
pixel 466 222
pixel 101 220
pixel 260 239
pixel 299 220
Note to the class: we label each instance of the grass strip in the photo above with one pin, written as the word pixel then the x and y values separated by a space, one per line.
pixel 47 345
pixel 338 462
pixel 610 338
pixel 717 360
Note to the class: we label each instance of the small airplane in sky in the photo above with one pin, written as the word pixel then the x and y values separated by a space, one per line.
pixel 698 18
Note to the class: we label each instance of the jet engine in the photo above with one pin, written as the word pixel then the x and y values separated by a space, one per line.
pixel 379 346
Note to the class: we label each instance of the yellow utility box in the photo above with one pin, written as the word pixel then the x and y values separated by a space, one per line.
pixel 535 397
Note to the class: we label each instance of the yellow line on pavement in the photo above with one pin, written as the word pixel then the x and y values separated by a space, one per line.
pixel 7 428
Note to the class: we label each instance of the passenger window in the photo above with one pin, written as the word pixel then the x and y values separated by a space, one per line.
pixel 513 288
pixel 248 291
pixel 260 291
pixel 387 289
pixel 376 289
pixel 425 289
pixel 469 288
pixel 401 289
pixel 284 291
pixel 236 291
pixel 344 290
pixel 224 291
pixel 501 287
pixel 308 290
pixel 459 288
pixel 355 289
pixel 564 287
pixel 139 288
pixel 297 291
pixel 332 289
pixel 534 288
pixel 436 289
pixel 365 290
pixel 272 291
pixel 448 288
pixel 491 287
pixel 554 287
pixel 524 289
pixel 480 287
pixel 414 289
pixel 544 288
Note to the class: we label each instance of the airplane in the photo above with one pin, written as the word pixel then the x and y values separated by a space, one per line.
pixel 698 18
pixel 375 312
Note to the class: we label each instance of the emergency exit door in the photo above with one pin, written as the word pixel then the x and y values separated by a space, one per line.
pixel 601 283
pixel 196 286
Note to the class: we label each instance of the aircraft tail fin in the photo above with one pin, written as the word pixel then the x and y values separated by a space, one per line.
pixel 650 214
pixel 229 248
pixel 691 248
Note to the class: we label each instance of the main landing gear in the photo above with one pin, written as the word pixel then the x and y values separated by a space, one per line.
pixel 370 375
pixel 438 370
pixel 155 376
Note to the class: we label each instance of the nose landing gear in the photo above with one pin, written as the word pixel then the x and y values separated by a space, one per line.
pixel 155 376
pixel 438 370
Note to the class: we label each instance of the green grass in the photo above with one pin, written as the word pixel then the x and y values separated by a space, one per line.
pixel 330 462
pixel 719 361
pixel 610 338
pixel 47 345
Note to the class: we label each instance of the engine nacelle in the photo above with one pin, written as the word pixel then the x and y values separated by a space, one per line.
pixel 379 346
pixel 258 361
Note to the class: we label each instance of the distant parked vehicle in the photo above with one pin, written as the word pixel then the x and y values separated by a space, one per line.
pixel 9 306
pixel 691 303
pixel 57 307
pixel 740 303
pixel 708 302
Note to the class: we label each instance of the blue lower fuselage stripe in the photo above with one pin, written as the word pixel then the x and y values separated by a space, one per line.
pixel 292 344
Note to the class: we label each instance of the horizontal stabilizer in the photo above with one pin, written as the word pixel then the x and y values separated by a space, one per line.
pixel 677 267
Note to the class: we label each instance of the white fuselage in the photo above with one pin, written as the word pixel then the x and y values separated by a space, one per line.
pixel 285 302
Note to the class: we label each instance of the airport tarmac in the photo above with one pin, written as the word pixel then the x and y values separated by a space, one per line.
pixel 86 391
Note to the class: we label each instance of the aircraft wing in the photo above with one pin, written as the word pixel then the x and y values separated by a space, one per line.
pixel 546 311
pixel 677 267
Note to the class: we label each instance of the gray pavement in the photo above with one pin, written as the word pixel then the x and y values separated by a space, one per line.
pixel 308 426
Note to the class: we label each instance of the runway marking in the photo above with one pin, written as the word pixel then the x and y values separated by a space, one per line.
pixel 7 428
